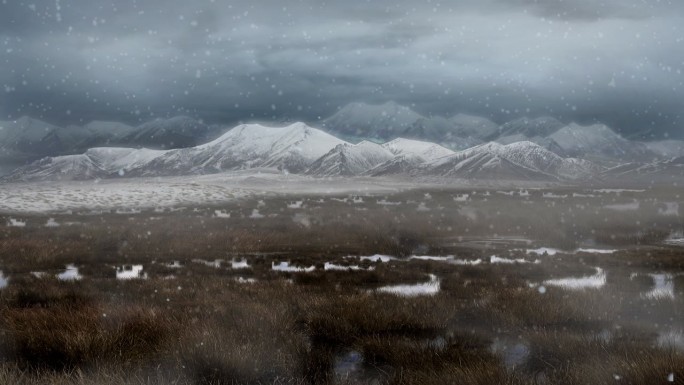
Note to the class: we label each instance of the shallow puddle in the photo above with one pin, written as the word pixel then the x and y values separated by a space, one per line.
pixel 663 287
pixel 4 281
pixel 595 281
pixel 431 287
pixel 70 274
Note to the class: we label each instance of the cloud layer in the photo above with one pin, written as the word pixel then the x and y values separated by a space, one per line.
pixel 617 61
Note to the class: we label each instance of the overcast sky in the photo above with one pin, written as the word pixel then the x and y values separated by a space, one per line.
pixel 616 61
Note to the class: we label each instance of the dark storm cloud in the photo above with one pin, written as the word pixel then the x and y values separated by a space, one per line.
pixel 615 61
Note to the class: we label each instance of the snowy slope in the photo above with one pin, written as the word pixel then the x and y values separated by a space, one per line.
pixel 425 150
pixel 483 165
pixel 67 167
pixel 101 162
pixel 350 159
pixel 521 159
pixel 292 148
pixel 122 160
pixel 400 165
pixel 598 141
pixel 669 171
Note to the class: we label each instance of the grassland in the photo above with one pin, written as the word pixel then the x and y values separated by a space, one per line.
pixel 192 320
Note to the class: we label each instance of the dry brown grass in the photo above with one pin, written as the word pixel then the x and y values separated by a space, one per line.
pixel 199 325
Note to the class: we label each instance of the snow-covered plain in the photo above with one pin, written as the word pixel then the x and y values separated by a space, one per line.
pixel 156 192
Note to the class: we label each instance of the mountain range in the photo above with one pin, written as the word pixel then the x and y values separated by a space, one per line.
pixel 27 139
pixel 541 149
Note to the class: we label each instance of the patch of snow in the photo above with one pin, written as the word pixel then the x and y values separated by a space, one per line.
pixel 462 198
pixel 431 287
pixel 544 251
pixel 675 239
pixel 671 339
pixel 616 191
pixel 494 260
pixel 377 258
pixel 174 265
pixel 632 206
pixel 239 264
pixel 448 258
pixel 331 266
pixel 70 274
pixel 285 267
pixel 245 280
pixel 554 196
pixel 466 262
pixel 295 205
pixel 595 281
pixel 127 272
pixel 671 209
pixel 596 251
pixel 127 211
pixel 51 223
pixel 221 214
pixel 256 215
pixel 16 223
pixel 422 207
pixel 216 263
pixel 425 150
pixel 384 202
pixel 663 287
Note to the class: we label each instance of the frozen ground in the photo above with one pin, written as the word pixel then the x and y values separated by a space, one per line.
pixel 138 193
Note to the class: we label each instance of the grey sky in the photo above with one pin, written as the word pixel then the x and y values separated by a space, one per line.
pixel 617 61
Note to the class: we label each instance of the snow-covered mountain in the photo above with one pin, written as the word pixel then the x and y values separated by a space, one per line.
pixel 668 172
pixel 598 141
pixel 350 159
pixel 521 160
pixel 292 148
pixel 27 139
pixel 425 150
pixel 298 148
pixel 102 162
